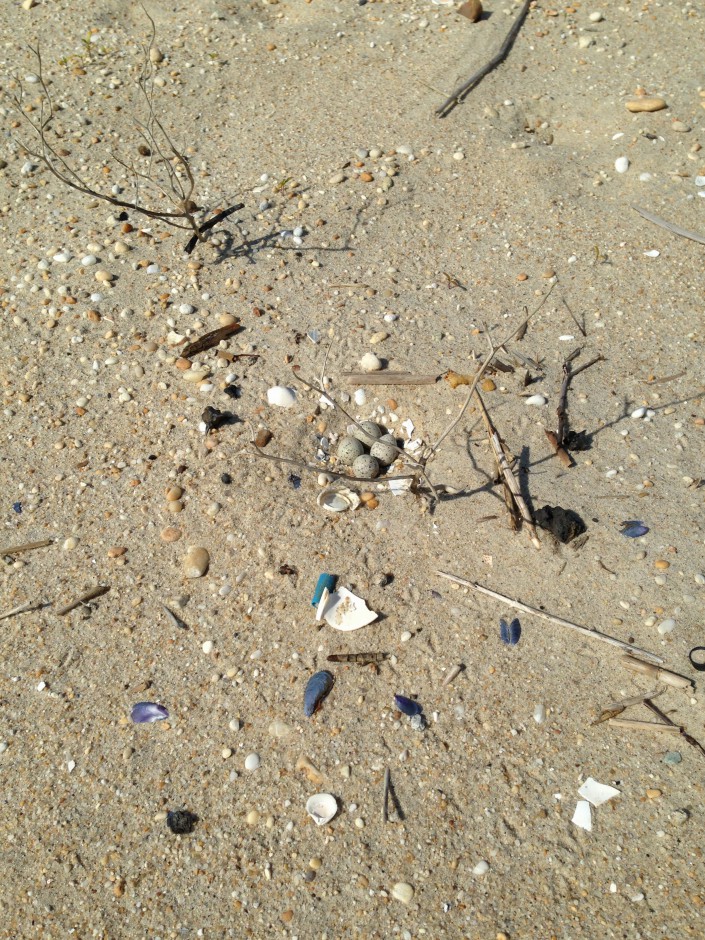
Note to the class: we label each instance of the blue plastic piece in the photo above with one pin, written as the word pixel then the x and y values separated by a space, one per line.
pixel 324 581
pixel 511 632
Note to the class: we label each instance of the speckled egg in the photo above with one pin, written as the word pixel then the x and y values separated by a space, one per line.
pixel 349 449
pixel 366 466
pixel 385 450
pixel 368 432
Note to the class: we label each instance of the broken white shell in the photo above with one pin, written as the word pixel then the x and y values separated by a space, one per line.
pixel 281 395
pixel 537 400
pixel 321 807
pixel 338 500
pixel 582 817
pixel 597 793
pixel 345 611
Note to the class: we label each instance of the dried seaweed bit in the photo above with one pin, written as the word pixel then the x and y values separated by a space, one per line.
pixel 294 481
pixel 317 687
pixel 565 524
pixel 407 705
pixel 147 712
pixel 181 821
pixel 633 529
pixel 511 632
pixel 578 440
pixel 214 419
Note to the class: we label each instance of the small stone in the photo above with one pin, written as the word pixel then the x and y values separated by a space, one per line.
pixel 536 400
pixel 196 562
pixel 279 729
pixel 170 534
pixel 662 564
pixel 403 892
pixel 370 363
pixel 596 17
pixel 70 543
pixel 103 276
pixel 621 164
pixel 471 10
pixel 252 762
pixel 654 793
pixel 488 385
pixel 666 626
pixel 548 273
pixel 174 493
pixel 315 863
pixel 116 551
pixel 680 128
pixel 405 637
pixel 645 104
pixel 366 177
pixel 337 178
pixel 287 916
pixel 226 753
pixel 481 868
pixel 156 55
pixel 252 817
pixel 672 758
pixel 378 337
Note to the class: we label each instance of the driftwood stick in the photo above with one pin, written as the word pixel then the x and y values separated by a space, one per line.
pixel 634 724
pixel 561 452
pixel 460 92
pixel 684 734
pixel 385 796
pixel 388 378
pixel 192 242
pixel 26 547
pixel 507 472
pixel 672 227
pixel 23 609
pixel 84 598
pixel 586 631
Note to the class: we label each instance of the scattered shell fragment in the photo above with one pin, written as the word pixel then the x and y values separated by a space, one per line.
pixel 633 529
pixel 252 762
pixel 407 705
pixel 510 632
pixel 147 712
pixel 344 611
pixel 279 729
pixel 317 687
pixel 312 772
pixel 338 500
pixel 536 400
pixel 666 626
pixel 196 562
pixel 582 817
pixel 370 363
pixel 281 396
pixel 645 104
pixel 321 807
pixel 597 793
pixel 403 891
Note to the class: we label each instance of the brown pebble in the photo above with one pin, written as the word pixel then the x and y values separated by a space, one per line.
pixel 287 916
pixel 646 104
pixel 263 437
pixel 366 177
pixel 119 888
pixel 471 10
pixel 653 793
pixel 522 277
pixel 183 364
pixel 116 551
pixel 372 503
pixel 488 385
pixel 549 272
pixel 391 403
pixel 170 534
pixel 699 422
pixel 366 496
pixel 196 562
pixel 174 492
pixel 662 564
pixel 175 506
pixel 271 47
pixel 93 316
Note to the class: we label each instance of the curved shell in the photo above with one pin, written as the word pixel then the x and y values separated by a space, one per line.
pixel 321 807
pixel 338 500
pixel 407 705
pixel 317 687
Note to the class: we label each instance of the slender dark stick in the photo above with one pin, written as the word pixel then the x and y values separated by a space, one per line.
pixel 688 737
pixel 385 798
pixel 26 547
pixel 84 598
pixel 208 340
pixel 562 410
pixel 192 242
pixel 676 229
pixel 460 92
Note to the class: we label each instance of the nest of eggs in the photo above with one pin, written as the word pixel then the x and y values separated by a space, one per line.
pixel 366 450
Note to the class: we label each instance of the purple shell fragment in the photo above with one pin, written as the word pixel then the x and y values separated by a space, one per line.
pixel 511 632
pixel 147 712
pixel 407 705
pixel 633 529
pixel 317 687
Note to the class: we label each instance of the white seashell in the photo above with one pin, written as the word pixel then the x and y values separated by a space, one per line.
pixel 481 868
pixel 345 611
pixel 252 762
pixel 370 363
pixel 321 807
pixel 195 375
pixel 621 164
pixel 88 260
pixel 173 338
pixel 653 253
pixel 536 400
pixel 638 413
pixel 566 338
pixel 338 500
pixel 62 257
pixel 279 729
pixel 597 793
pixel 582 817
pixel 540 714
pixel 700 180
pixel 402 891
pixel 282 396
pixel 666 626
pixel 360 397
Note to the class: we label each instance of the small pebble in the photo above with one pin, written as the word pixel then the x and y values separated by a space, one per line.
pixel 252 762
pixel 672 758
pixel 403 892
pixel 208 646
pixel 621 164
pixel 196 562
pixel 370 363
pixel 70 543
pixel 481 868
pixel 666 626
pixel 170 534
pixel 645 104
pixel 536 400
pixel 654 793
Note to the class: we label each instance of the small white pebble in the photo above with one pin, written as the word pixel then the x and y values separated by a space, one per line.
pixel 252 762
pixel 226 753
pixel 638 413
pixel 481 868
pixel 234 724
pixel 621 164
pixel 187 309
pixel 405 637
pixel 666 626
pixel 360 397
pixel 208 646
pixel 536 400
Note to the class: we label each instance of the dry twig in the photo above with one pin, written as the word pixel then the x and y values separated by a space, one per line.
pixel 671 226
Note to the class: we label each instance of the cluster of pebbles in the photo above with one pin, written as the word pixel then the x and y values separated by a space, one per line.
pixel 366 449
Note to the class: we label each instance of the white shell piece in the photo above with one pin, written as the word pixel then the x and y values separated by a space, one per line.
pixel 536 400
pixel 322 604
pixel 638 413
pixel 173 338
pixel 700 180
pixel 621 164
pixel 281 395
pixel 399 487
pixel 370 363
pixel 345 611
pixel 338 500
pixel 597 793
pixel 582 817
pixel 408 427
pixel 360 397
pixel 321 807
pixel 566 338
pixel 652 253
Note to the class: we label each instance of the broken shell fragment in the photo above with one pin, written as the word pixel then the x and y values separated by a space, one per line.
pixel 582 817
pixel 317 687
pixel 536 400
pixel 338 500
pixel 597 793
pixel 322 807
pixel 281 396
pixel 147 712
pixel 345 611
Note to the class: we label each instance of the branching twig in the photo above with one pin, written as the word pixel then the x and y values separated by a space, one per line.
pixel 557 440
pixel 460 92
